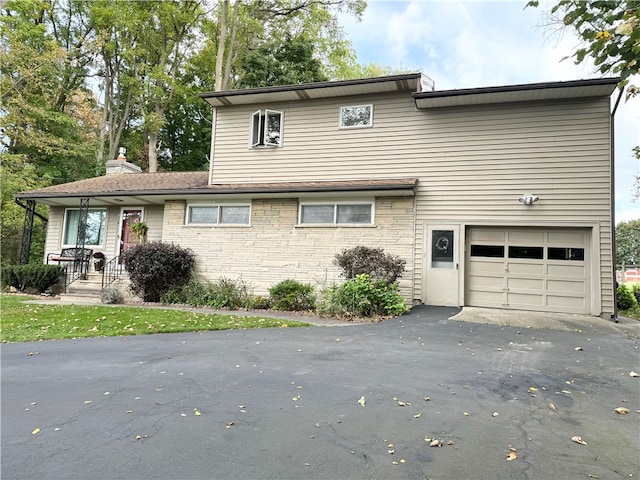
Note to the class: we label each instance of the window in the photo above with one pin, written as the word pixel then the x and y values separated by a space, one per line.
pixel 266 128
pixel 337 213
pixel 526 252
pixel 356 116
pixel 493 251
pixel 218 214
pixel 555 253
pixel 94 234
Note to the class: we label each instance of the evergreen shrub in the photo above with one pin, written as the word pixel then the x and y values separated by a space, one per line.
pixel 38 277
pixel 291 295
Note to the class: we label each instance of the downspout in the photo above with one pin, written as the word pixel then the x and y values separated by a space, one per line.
pixel 612 188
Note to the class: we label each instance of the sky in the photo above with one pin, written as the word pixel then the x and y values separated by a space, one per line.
pixel 465 44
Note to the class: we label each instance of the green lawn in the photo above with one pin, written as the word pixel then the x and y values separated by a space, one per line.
pixel 22 322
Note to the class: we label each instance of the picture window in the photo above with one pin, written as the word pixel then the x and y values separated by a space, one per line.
pixel 94 234
pixel 356 116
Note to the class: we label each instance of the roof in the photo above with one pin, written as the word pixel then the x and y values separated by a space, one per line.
pixel 410 82
pixel 156 188
pixel 517 93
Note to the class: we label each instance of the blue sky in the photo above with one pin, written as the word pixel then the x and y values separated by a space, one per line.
pixel 462 44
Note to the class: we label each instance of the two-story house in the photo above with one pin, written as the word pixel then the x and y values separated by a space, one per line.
pixel 496 197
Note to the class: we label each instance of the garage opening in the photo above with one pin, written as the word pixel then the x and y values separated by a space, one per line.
pixel 528 269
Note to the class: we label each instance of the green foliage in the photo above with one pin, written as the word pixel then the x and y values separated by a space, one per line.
pixel 112 295
pixel 628 243
pixel 154 268
pixel 291 295
pixel 370 261
pixel 38 277
pixel 625 299
pixel 223 293
pixel 610 31
pixel 259 303
pixel 362 297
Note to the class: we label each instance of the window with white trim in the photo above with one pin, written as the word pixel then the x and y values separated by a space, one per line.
pixel 266 128
pixel 356 116
pixel 94 233
pixel 338 213
pixel 218 214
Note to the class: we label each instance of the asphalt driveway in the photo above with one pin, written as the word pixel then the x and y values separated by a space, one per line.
pixel 364 401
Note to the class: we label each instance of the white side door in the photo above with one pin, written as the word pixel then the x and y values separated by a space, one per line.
pixel 442 265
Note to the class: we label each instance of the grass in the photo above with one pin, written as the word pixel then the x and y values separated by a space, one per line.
pixel 23 322
pixel 631 313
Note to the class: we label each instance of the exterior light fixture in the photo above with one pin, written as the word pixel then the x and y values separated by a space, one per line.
pixel 528 199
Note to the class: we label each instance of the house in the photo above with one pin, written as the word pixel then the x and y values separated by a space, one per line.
pixel 496 197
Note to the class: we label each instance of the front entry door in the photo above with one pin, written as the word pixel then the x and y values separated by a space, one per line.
pixel 442 265
pixel 127 237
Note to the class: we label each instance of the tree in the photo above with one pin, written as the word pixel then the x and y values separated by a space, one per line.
pixel 628 243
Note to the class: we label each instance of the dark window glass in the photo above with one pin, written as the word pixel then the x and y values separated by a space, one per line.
pixel 555 253
pixel 496 251
pixel 442 245
pixel 526 252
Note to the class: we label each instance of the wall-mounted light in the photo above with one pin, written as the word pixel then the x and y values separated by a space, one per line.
pixel 528 199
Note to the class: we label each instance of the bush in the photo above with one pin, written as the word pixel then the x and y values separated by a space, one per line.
pixel 260 303
pixel 635 288
pixel 370 261
pixel 362 297
pixel 111 295
pixel 625 300
pixel 154 268
pixel 291 295
pixel 38 277
pixel 223 293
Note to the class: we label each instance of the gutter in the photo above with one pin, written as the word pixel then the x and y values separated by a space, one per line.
pixel 612 188
pixel 44 219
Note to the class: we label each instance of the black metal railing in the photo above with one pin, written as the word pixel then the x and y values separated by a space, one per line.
pixel 111 271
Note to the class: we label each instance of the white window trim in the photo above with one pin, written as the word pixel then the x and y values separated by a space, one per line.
pixel 219 206
pixel 262 128
pixel 347 127
pixel 335 204
pixel 64 227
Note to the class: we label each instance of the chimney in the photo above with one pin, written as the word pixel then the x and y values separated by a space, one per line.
pixel 120 165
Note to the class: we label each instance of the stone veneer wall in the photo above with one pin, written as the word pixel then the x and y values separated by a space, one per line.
pixel 274 248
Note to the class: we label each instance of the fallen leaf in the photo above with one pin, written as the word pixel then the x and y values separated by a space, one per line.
pixel 552 407
pixel 403 404
pixel 317 425
pixel 87 402
pixel 427 439
pixel 578 440
pixel 197 413
pixel 435 443
pixel 391 451
pixel 621 410
pixel 533 389
pixel 495 414
pixel 362 401
pixel 394 463
pixel 417 415
pixel 631 374
pixel 466 414
pixel 512 455
pixel 450 442
pixel 402 460
pixel 229 424
pixel 138 437
pixel 578 349
pixel 426 399
pixel 35 431
pixel 31 354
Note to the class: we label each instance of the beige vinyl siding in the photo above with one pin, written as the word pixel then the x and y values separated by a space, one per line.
pixel 273 248
pixel 473 162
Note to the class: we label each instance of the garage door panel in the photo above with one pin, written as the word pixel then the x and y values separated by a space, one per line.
pixel 525 238
pixel 544 269
pixel 526 283
pixel 526 269
pixel 565 286
pixel 568 271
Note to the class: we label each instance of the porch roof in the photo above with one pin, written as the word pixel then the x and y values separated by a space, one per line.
pixel 156 188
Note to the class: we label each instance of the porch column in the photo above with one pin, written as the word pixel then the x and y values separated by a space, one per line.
pixel 27 230
pixel 83 213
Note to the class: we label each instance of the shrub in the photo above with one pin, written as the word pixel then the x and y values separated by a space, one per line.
pixel 260 303
pixel 38 277
pixel 111 295
pixel 362 297
pixel 635 288
pixel 154 268
pixel 291 295
pixel 223 293
pixel 625 299
pixel 370 261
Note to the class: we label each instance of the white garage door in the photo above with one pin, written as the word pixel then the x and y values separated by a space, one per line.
pixel 528 269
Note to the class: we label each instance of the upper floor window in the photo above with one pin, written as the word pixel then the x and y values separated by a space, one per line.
pixel 94 233
pixel 218 214
pixel 266 128
pixel 336 213
pixel 356 116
